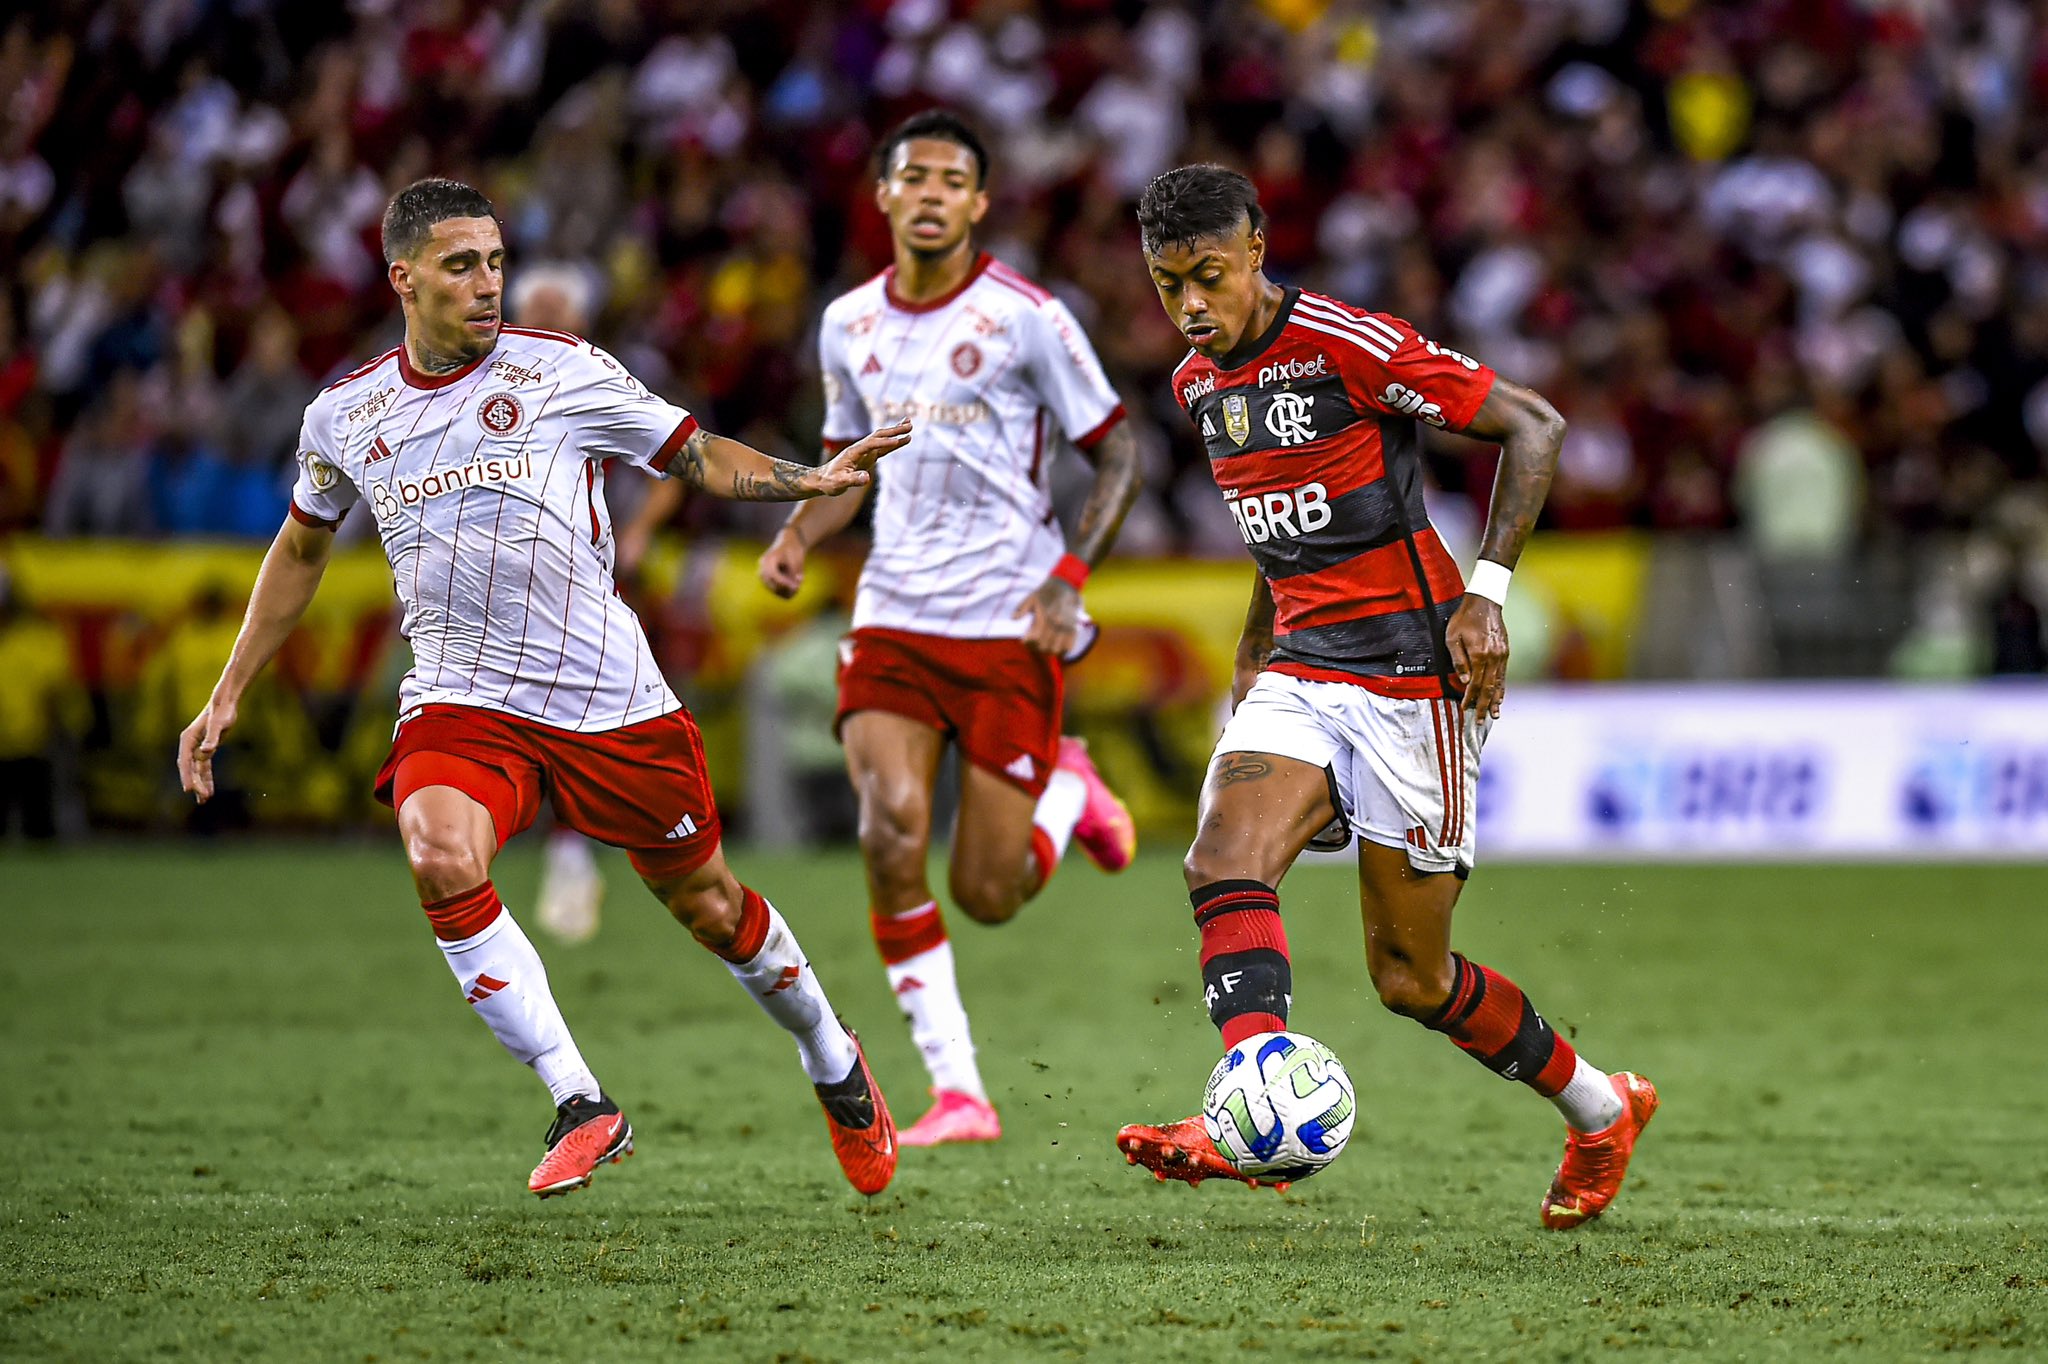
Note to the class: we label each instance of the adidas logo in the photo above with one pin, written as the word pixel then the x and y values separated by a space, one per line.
pixel 685 827
pixel 873 366
pixel 1209 428
pixel 1021 767
pixel 1418 837
pixel 789 977
pixel 485 987
pixel 908 984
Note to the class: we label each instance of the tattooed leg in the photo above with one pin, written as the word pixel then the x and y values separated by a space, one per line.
pixel 1259 811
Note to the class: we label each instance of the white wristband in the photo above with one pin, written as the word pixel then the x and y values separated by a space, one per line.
pixel 1490 580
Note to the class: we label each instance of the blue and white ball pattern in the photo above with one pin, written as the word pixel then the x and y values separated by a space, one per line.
pixel 1279 1105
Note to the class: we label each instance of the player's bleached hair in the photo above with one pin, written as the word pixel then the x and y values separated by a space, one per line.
pixel 938 124
pixel 573 280
pixel 410 216
pixel 1193 203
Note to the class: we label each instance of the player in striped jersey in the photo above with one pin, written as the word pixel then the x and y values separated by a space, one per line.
pixel 969 605
pixel 479 449
pixel 1368 672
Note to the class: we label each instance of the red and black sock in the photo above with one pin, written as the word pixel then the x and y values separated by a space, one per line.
pixel 1490 1018
pixel 1246 978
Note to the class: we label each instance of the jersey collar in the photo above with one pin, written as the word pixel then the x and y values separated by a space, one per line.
pixel 415 379
pixel 1248 351
pixel 981 262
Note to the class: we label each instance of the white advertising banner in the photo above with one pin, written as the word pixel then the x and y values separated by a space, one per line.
pixel 1777 770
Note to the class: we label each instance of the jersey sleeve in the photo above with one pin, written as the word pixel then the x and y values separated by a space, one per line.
pixel 618 417
pixel 1399 371
pixel 1069 378
pixel 322 493
pixel 846 415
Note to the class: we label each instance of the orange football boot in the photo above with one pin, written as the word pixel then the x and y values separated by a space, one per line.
pixel 863 1133
pixel 587 1133
pixel 1595 1162
pixel 1182 1150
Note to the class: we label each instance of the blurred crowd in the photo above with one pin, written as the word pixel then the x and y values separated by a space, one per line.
pixel 1779 262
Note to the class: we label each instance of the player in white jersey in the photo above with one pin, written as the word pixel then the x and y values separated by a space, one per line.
pixel 969 606
pixel 479 450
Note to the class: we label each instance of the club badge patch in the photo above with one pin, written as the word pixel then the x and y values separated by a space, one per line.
pixel 500 414
pixel 966 359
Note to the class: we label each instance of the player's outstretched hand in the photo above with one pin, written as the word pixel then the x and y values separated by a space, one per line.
pixel 197 745
pixel 1055 611
pixel 854 466
pixel 1478 640
pixel 782 565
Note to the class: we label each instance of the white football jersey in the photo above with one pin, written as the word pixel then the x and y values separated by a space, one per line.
pixel 989 374
pixel 488 490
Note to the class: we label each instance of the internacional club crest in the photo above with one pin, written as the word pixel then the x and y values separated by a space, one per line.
pixel 1237 417
pixel 500 414
pixel 966 359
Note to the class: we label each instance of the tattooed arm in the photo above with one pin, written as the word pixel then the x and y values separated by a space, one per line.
pixel 1055 608
pixel 1255 645
pixel 726 468
pixel 1530 434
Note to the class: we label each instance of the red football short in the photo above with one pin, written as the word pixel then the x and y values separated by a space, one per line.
pixel 997 699
pixel 643 788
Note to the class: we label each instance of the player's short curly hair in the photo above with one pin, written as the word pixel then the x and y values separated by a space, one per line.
pixel 1191 203
pixel 941 124
pixel 410 216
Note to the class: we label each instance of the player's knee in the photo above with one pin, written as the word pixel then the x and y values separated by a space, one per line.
pixel 892 838
pixel 444 869
pixel 1407 987
pixel 1209 860
pixel 985 899
pixel 707 906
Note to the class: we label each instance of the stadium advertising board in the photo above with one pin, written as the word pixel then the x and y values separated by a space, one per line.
pixel 1864 770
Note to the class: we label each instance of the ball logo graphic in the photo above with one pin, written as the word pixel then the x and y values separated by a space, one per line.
pixel 966 359
pixel 499 414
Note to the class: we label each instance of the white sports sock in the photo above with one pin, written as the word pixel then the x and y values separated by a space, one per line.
pixel 780 980
pixel 928 992
pixel 502 977
pixel 1059 809
pixel 1588 1100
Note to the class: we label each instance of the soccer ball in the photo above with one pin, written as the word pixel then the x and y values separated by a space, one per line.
pixel 1279 1106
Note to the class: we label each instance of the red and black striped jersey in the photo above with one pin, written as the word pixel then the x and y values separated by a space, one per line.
pixel 1314 439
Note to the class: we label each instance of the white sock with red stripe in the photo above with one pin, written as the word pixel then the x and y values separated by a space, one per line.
pixel 919 959
pixel 765 957
pixel 503 979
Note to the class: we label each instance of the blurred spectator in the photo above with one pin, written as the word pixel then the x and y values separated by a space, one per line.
pixel 42 706
pixel 102 481
pixel 1800 486
pixel 1667 215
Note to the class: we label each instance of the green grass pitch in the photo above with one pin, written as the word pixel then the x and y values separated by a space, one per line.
pixel 248 1117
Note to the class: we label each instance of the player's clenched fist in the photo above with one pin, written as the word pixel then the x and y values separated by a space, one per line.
pixel 853 467
pixel 198 744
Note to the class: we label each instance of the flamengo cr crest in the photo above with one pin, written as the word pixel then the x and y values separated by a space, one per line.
pixel 1288 418
pixel 499 414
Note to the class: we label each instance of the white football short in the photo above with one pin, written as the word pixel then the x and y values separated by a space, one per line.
pixel 1404 774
